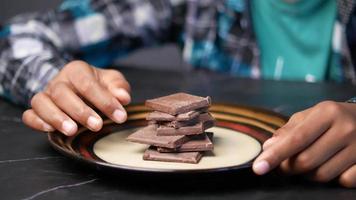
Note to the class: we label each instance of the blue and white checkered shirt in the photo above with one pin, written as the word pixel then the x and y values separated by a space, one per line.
pixel 213 34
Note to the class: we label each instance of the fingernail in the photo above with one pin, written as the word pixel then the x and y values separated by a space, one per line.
pixel 94 123
pixel 47 127
pixel 69 127
pixel 122 93
pixel 261 167
pixel 119 116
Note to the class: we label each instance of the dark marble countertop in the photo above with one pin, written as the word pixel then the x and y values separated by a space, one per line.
pixel 31 169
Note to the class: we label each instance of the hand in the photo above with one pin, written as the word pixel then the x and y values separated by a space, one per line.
pixel 320 141
pixel 71 96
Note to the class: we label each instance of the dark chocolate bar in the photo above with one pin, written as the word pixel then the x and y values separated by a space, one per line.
pixel 186 157
pixel 178 103
pixel 148 135
pixel 205 121
pixel 160 116
pixel 202 142
pixel 179 124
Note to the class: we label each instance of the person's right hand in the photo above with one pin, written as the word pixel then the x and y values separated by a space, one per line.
pixel 71 97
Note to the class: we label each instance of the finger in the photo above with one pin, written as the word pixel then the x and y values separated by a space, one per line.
pixel 51 114
pixel 292 122
pixel 64 97
pixel 269 142
pixel 336 165
pixel 348 178
pixel 88 87
pixel 121 94
pixel 278 134
pixel 107 77
pixel 297 139
pixel 316 154
pixel 31 119
pixel 116 83
pixel 296 119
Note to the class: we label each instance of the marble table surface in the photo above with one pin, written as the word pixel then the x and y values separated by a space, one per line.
pixel 31 169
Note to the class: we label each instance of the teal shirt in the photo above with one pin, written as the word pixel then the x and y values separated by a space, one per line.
pixel 294 38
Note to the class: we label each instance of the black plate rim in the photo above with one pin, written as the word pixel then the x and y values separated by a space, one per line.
pixel 101 164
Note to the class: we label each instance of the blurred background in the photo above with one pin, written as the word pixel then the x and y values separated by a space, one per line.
pixel 9 8
pixel 167 57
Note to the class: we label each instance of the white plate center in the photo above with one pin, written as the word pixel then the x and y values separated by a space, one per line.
pixel 231 148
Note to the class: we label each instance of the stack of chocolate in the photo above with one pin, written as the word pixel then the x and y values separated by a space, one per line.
pixel 176 129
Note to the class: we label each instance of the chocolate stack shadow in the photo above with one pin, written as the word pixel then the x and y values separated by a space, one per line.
pixel 176 129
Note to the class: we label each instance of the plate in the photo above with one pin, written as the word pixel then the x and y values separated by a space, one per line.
pixel 238 137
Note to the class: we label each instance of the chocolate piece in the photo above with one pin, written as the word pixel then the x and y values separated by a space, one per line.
pixel 147 135
pixel 160 116
pixel 202 142
pixel 206 121
pixel 178 103
pixel 190 115
pixel 187 157
pixel 179 124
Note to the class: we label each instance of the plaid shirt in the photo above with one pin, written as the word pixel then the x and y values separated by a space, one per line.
pixel 213 34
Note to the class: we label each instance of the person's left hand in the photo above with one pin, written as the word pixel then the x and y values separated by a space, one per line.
pixel 319 142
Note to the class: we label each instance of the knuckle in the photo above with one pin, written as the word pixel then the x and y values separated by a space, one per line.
pixel 285 166
pixel 329 107
pixel 348 130
pixel 120 80
pixel 26 116
pixel 37 99
pixel 124 84
pixel 81 113
pixel 49 86
pixel 56 92
pixel 296 116
pixel 77 70
pixel 347 181
pixel 280 131
pixel 297 138
pixel 321 176
pixel 303 162
pixel 86 85
pixel 127 87
pixel 76 64
pixel 116 73
pixel 346 135
pixel 107 105
pixel 274 157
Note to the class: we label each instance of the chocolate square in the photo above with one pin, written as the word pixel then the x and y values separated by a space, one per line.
pixel 202 142
pixel 148 135
pixel 160 116
pixel 178 103
pixel 179 124
pixel 186 157
pixel 164 117
pixel 205 121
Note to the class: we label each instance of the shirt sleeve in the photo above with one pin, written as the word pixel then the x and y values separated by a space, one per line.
pixel 34 47
pixel 31 54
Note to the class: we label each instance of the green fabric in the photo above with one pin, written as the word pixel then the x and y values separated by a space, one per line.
pixel 294 37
